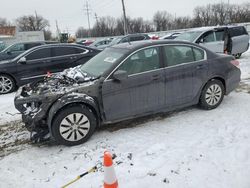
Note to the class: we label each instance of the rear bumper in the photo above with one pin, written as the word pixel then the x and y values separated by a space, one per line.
pixel 233 80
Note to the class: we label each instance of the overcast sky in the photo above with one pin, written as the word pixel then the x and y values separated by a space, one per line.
pixel 70 14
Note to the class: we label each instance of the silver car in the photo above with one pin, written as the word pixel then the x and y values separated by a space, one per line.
pixel 225 39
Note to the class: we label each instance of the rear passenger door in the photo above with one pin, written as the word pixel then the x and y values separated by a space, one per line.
pixel 186 69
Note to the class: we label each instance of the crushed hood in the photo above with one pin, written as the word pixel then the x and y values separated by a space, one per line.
pixel 61 82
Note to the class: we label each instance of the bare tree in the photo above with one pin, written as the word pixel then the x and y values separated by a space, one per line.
pixel 32 23
pixel 47 35
pixel 3 22
pixel 211 14
pixel 82 32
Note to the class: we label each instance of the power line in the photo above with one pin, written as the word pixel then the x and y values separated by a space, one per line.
pixel 87 9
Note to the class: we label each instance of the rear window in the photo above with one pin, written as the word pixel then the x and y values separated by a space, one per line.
pixel 237 31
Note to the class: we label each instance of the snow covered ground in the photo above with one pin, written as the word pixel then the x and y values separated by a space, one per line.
pixel 191 148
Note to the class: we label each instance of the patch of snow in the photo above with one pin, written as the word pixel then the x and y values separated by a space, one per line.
pixel 191 149
pixel 8 111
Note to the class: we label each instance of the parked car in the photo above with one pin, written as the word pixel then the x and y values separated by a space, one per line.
pixel 170 36
pixel 16 49
pixel 225 39
pixel 129 38
pixel 101 44
pixel 85 42
pixel 125 82
pixel 34 64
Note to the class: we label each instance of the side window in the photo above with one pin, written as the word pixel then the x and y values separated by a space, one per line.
pixel 124 40
pixel 198 54
pixel 137 38
pixel 16 48
pixel 62 51
pixel 176 55
pixel 237 31
pixel 209 37
pixel 219 35
pixel 79 50
pixel 39 54
pixel 142 61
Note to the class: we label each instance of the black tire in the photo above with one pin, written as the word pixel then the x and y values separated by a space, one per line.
pixel 237 56
pixel 212 95
pixel 7 84
pixel 77 127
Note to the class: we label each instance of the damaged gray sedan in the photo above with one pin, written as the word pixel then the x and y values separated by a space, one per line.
pixel 124 82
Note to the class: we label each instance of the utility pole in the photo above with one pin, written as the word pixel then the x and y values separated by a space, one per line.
pixel 36 20
pixel 87 9
pixel 96 18
pixel 57 30
pixel 124 18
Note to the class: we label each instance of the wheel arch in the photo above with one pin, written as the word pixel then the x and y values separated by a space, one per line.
pixel 10 75
pixel 69 100
pixel 220 78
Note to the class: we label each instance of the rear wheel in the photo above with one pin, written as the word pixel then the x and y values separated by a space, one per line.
pixel 7 84
pixel 74 125
pixel 212 95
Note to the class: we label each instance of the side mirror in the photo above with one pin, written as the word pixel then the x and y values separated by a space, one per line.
pixel 22 60
pixel 120 75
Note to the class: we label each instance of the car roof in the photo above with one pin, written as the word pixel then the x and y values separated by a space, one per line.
pixel 146 43
pixel 203 29
pixel 59 45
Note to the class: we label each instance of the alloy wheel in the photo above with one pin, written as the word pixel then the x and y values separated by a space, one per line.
pixel 213 95
pixel 6 85
pixel 74 127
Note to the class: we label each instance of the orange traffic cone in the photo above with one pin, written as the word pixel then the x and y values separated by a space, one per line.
pixel 110 180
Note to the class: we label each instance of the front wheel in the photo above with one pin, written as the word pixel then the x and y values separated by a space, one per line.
pixel 237 56
pixel 7 84
pixel 212 95
pixel 73 125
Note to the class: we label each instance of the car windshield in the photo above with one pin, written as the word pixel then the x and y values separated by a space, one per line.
pixel 100 63
pixel 7 48
pixel 189 36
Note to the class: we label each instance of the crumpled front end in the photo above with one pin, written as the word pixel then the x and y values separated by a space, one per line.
pixel 34 110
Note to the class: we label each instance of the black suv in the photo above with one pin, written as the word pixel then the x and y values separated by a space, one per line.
pixel 16 49
pixel 124 82
pixel 34 64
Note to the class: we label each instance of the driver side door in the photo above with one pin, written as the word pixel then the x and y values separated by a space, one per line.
pixel 142 92
pixel 35 66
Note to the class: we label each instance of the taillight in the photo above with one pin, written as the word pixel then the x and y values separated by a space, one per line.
pixel 235 63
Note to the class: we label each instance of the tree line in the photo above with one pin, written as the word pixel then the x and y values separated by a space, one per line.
pixel 208 15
